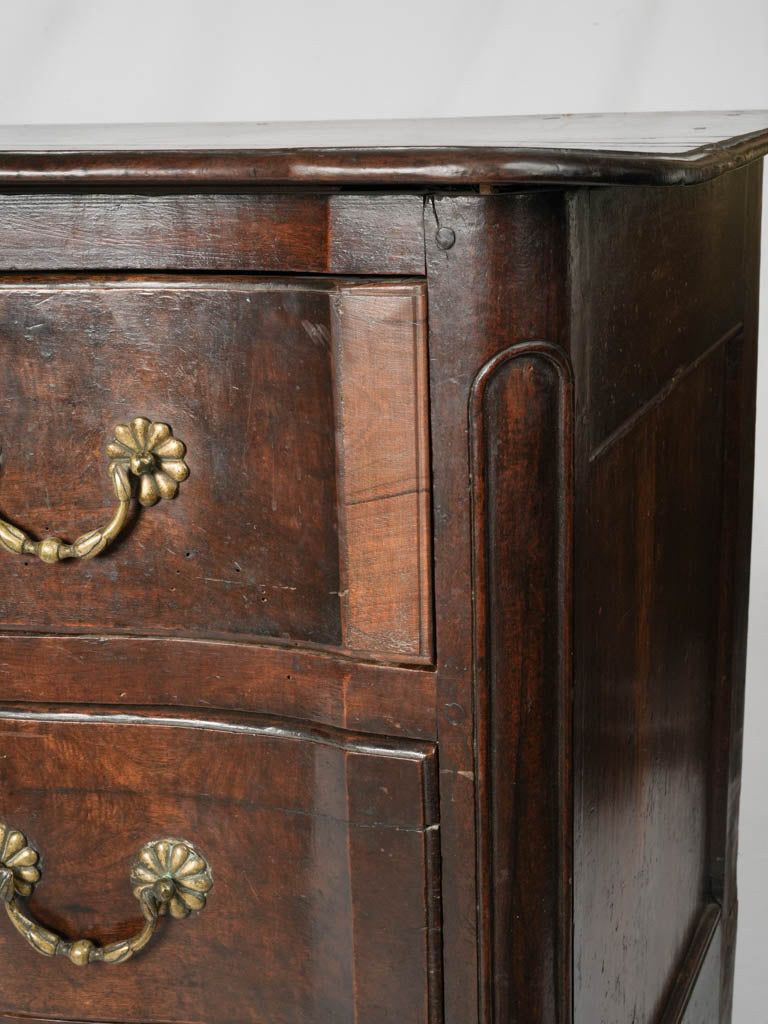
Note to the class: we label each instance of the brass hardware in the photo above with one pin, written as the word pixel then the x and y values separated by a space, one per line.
pixel 168 876
pixel 145 450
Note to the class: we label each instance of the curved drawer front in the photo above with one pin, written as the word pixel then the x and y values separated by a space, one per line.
pixel 322 847
pixel 303 409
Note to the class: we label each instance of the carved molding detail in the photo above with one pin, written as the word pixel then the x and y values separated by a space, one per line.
pixel 521 437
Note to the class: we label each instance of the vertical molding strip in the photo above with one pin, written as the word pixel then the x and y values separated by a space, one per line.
pixel 521 436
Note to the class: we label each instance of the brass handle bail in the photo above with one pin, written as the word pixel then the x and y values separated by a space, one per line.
pixel 144 451
pixel 169 876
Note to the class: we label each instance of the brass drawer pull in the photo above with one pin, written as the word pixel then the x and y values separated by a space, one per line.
pixel 168 876
pixel 144 450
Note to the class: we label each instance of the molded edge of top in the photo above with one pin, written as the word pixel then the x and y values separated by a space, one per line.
pixel 587 149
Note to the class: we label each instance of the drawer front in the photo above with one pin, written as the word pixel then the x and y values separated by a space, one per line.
pixel 322 847
pixel 303 407
pixel 231 231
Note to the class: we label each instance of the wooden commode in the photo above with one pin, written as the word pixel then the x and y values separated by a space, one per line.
pixel 375 506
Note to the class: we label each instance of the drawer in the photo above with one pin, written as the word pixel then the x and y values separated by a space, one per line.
pixel 203 231
pixel 303 407
pixel 322 847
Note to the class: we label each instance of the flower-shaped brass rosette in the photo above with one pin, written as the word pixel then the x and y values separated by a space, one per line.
pixel 145 451
pixel 174 873
pixel 18 864
pixel 150 452
pixel 168 875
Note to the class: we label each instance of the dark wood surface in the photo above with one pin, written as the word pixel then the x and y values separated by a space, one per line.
pixel 323 853
pixel 521 424
pixel 696 995
pixel 482 765
pixel 234 231
pixel 663 484
pixel 299 683
pixel 500 285
pixel 260 380
pixel 655 148
pixel 649 653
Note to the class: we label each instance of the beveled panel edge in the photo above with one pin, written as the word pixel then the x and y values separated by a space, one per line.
pixel 555 945
pixel 704 945
pixel 383 470
pixel 670 385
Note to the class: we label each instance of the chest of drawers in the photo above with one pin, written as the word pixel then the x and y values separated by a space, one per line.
pixel 375 539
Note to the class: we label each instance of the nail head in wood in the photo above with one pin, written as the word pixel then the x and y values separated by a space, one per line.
pixel 445 238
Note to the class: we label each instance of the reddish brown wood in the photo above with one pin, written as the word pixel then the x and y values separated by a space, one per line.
pixel 657 148
pixel 314 686
pixel 236 231
pixel 383 455
pixel 321 849
pixel 429 536
pixel 244 372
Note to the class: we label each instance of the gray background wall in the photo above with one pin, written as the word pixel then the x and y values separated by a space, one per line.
pixel 186 60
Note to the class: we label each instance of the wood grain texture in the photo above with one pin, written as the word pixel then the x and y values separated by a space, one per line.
pixel 13 1019
pixel 245 548
pixel 313 686
pixel 498 285
pixel 648 673
pixel 738 470
pixel 305 830
pixel 522 451
pixel 244 371
pixel 655 148
pixel 663 485
pixel 695 997
pixel 383 456
pixel 236 231
pixel 676 293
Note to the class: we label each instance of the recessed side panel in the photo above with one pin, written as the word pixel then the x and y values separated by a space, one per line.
pixel 664 326
pixel 665 283
pixel 650 677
